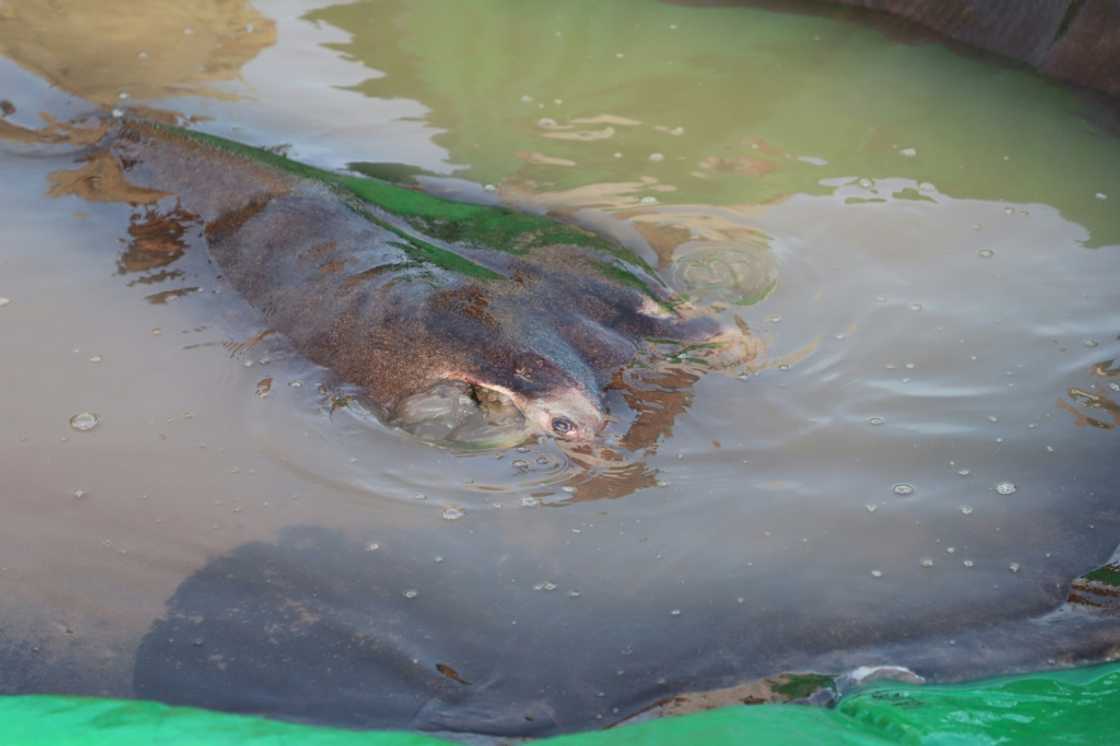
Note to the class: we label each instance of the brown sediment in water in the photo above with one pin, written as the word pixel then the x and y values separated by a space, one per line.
pixel 54 132
pixel 156 239
pixel 166 296
pixel 147 50
pixel 101 179
pixel 779 689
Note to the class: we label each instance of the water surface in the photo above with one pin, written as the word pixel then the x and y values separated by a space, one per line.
pixel 925 241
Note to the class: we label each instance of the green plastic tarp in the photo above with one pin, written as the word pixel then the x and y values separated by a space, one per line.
pixel 1076 706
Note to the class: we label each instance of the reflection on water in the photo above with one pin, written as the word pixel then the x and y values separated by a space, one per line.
pixel 725 105
pixel 926 246
pixel 112 51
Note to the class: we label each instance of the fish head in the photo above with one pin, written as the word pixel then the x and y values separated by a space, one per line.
pixel 551 397
pixel 567 414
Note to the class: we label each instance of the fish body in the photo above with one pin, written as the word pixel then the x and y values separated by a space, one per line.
pixel 399 291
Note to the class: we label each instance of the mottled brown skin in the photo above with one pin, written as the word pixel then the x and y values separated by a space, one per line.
pixel 550 332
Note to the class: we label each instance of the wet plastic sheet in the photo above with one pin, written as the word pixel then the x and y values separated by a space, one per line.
pixel 1080 706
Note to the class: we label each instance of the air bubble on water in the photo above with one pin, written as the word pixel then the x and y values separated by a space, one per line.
pixel 986 253
pixel 656 157
pixel 876 573
pixel 79 494
pixel 926 562
pixel 545 586
pixel 993 418
pixel 574 594
pixel 875 421
pixel 967 510
pixel 438 559
pixel 84 421
pixel 96 359
pixel 1014 567
pixel 675 612
pixel 871 507
pixel 950 550
pixel 452 514
pixel 968 563
pixel 530 502
pixel 964 472
pixel 775 319
pixel 373 546
pixel 902 489
pixel 1101 195
pixel 411 593
pixel 1006 488
pixel 915 306
pixel 908 152
pixel 1049 449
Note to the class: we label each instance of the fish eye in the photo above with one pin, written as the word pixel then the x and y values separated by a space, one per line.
pixel 562 425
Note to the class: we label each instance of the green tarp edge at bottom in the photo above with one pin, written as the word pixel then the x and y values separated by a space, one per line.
pixel 1076 706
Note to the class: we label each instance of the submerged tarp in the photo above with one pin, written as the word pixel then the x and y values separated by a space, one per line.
pixel 1078 706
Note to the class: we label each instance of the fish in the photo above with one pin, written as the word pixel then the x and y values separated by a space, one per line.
pixel 401 292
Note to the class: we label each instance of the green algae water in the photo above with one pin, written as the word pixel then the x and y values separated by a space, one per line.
pixel 914 472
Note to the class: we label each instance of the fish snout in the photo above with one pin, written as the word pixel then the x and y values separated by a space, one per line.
pixel 570 414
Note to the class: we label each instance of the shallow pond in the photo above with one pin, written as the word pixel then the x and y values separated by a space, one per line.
pixel 925 242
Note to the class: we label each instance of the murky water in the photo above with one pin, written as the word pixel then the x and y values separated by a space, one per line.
pixel 926 242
